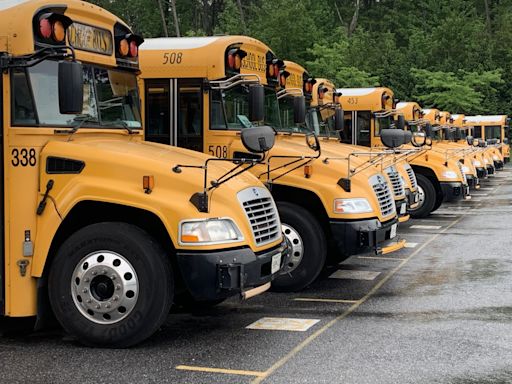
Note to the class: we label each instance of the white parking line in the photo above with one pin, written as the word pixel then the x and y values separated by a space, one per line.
pixel 479 194
pixel 485 189
pixel 411 245
pixel 350 274
pixel 425 227
pixel 312 299
pixel 444 216
pixel 283 324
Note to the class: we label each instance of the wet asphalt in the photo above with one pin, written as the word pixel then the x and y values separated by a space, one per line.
pixel 438 312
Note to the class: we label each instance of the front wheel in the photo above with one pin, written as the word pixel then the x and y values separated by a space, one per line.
pixel 306 244
pixel 111 285
pixel 427 197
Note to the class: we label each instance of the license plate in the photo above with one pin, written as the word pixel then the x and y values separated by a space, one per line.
pixel 403 208
pixel 392 233
pixel 276 263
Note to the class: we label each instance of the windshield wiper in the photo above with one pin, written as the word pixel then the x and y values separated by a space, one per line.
pixel 123 124
pixel 81 120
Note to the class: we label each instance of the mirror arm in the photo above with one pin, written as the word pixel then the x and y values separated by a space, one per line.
pixel 307 159
pixel 35 58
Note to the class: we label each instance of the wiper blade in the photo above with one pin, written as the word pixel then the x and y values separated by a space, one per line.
pixel 123 124
pixel 81 120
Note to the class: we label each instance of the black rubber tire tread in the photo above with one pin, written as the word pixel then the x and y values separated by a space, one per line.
pixel 439 202
pixel 430 197
pixel 314 243
pixel 156 284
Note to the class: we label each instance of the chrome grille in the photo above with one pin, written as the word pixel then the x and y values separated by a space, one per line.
pixel 412 178
pixel 396 181
pixel 262 214
pixel 383 193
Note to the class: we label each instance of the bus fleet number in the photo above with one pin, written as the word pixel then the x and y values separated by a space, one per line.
pixel 173 58
pixel 218 150
pixel 23 157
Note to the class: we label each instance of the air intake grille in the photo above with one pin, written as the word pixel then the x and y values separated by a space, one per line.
pixel 383 193
pixel 262 214
pixel 396 182
pixel 412 178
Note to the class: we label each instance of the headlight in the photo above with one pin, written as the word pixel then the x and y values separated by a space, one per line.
pixel 477 163
pixel 495 157
pixel 486 161
pixel 352 206
pixel 450 174
pixel 209 231
pixel 465 169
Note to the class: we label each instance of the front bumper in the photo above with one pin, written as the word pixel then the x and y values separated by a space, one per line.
pixel 453 191
pixel 473 182
pixel 481 173
pixel 412 198
pixel 490 169
pixel 218 275
pixel 354 237
pixel 498 165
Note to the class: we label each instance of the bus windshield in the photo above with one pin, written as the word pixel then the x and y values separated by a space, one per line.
pixel 493 132
pixel 382 123
pixel 230 109
pixel 110 98
pixel 320 123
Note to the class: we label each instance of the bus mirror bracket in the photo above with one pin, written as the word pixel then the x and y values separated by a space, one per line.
pixel 71 89
pixel 400 122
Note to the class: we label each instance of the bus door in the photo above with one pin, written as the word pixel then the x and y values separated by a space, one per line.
pixel 361 128
pixel 174 112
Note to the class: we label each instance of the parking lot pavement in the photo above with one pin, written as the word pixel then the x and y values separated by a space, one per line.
pixel 437 311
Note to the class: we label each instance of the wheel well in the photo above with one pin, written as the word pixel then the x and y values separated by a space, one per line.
pixel 306 199
pixel 90 212
pixel 429 173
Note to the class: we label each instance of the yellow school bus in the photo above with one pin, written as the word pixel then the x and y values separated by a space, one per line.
pixel 106 226
pixel 207 81
pixel 321 117
pixel 440 176
pixel 492 128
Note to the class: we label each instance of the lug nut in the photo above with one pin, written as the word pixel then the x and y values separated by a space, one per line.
pixel 107 305
pixel 116 298
pixel 97 306
pixel 93 273
pixel 118 287
pixel 88 301
pixel 84 290
pixel 113 277
pixel 86 279
pixel 104 271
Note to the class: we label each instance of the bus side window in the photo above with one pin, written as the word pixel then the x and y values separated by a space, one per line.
pixel 24 111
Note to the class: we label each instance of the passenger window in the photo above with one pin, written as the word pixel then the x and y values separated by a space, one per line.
pixel 24 111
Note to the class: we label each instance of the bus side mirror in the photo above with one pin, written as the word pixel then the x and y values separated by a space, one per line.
pixel 400 122
pixel 71 87
pixel 428 129
pixel 470 140
pixel 299 109
pixel 258 139
pixel 407 137
pixel 339 117
pixel 256 103
pixel 392 138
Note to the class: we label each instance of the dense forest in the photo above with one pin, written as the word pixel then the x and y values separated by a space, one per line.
pixel 455 55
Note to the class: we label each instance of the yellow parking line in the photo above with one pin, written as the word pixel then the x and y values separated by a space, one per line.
pixel 220 370
pixel 379 258
pixel 325 300
pixel 279 363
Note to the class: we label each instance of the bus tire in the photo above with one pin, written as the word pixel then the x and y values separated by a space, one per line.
pixel 306 240
pixel 428 197
pixel 111 285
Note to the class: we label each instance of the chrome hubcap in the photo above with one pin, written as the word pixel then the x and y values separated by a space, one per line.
pixel 104 287
pixel 295 248
pixel 421 199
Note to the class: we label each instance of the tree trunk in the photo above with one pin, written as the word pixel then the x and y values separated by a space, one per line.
pixel 242 17
pixel 162 15
pixel 487 16
pixel 175 18
pixel 339 14
pixel 353 23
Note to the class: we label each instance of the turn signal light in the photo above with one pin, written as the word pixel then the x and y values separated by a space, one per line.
pixel 124 47
pixel 282 80
pixel 58 31
pixel 148 183
pixel 134 49
pixel 308 171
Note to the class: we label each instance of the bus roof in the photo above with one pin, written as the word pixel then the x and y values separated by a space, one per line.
pixel 410 109
pixel 17 34
pixel 200 57
pixel 487 119
pixel 364 99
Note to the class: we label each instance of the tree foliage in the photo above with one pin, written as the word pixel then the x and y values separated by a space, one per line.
pixel 455 55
